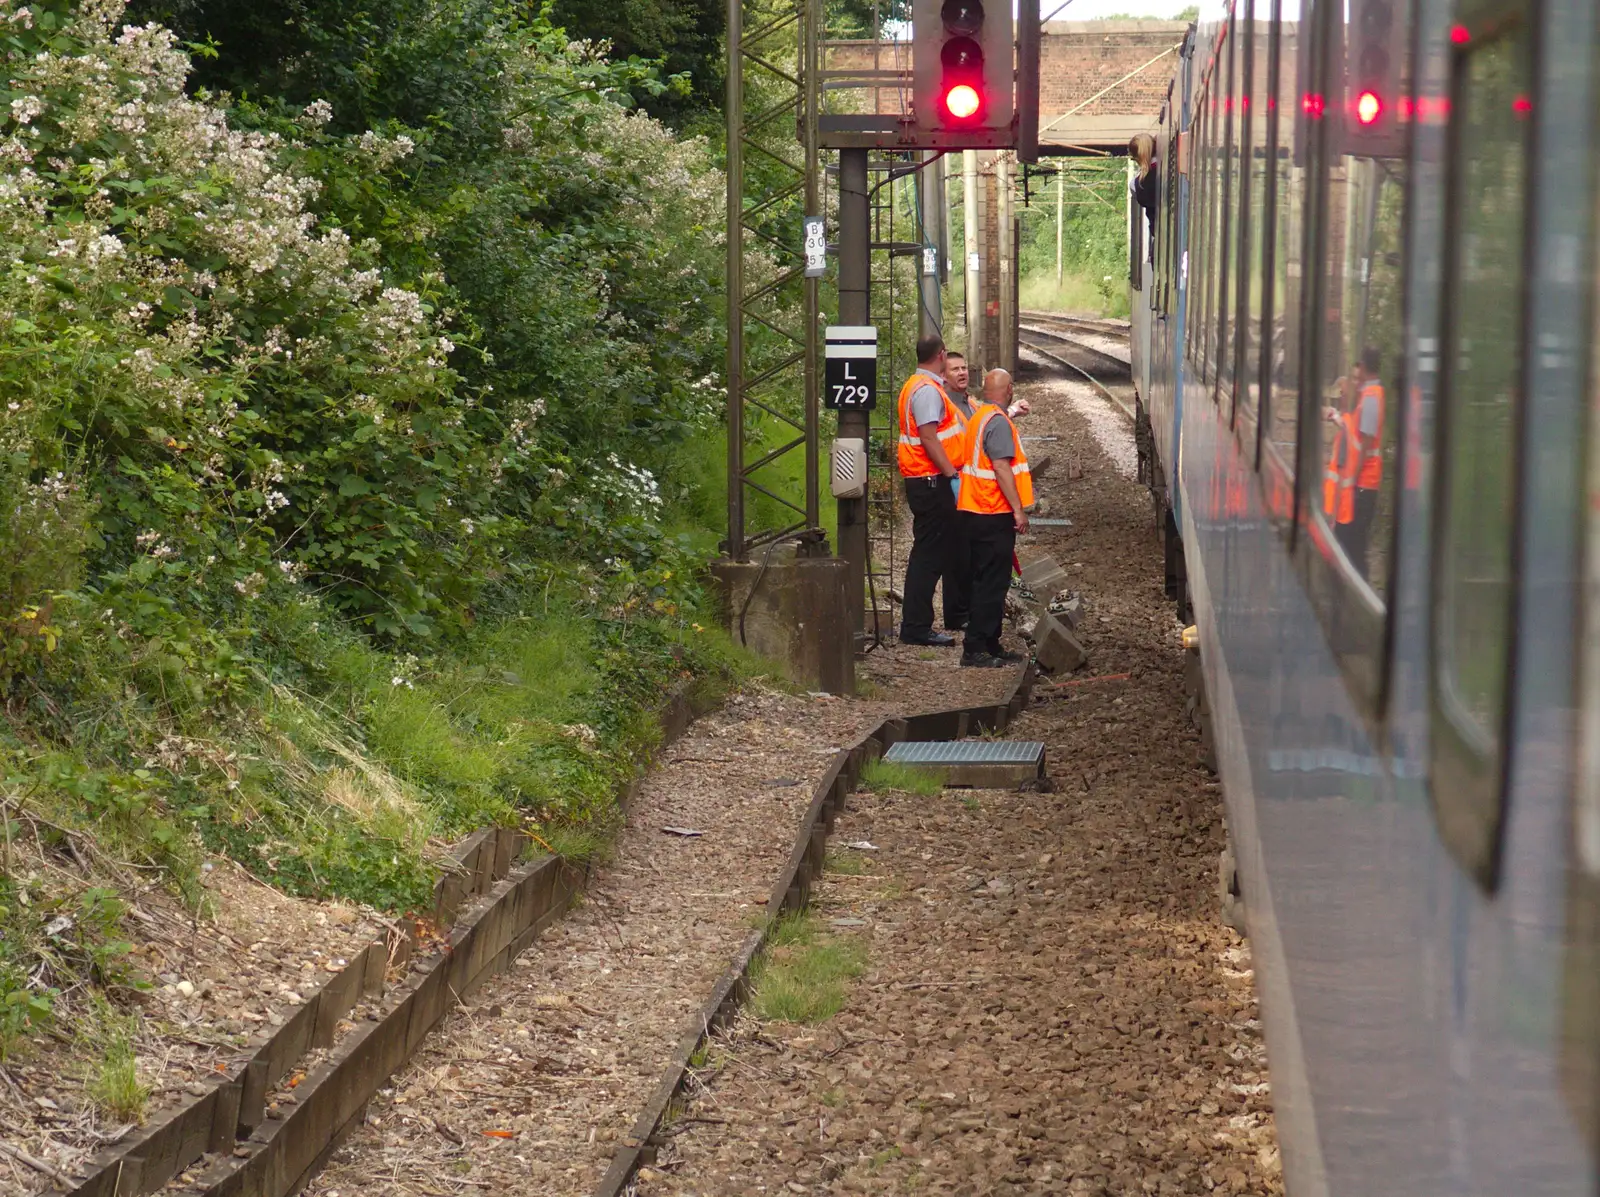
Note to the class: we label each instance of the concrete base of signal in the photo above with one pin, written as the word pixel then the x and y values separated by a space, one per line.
pixel 792 610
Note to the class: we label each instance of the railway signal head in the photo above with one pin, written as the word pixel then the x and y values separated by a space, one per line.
pixel 962 73
pixel 1373 128
pixel 961 82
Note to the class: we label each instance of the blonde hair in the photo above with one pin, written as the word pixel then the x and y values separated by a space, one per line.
pixel 1142 149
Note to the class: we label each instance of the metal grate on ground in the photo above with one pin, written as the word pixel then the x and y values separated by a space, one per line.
pixel 982 764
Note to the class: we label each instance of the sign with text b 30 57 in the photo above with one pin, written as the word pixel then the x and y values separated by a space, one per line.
pixel 850 367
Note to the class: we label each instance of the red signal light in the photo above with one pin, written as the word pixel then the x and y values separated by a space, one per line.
pixel 1460 34
pixel 1368 107
pixel 962 101
pixel 1312 105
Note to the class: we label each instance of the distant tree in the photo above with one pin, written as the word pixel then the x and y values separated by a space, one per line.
pixel 300 50
pixel 864 18
pixel 684 35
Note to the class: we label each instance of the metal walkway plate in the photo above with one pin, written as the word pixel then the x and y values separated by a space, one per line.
pixel 983 764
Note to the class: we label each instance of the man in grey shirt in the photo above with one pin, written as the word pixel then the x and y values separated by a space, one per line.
pixel 990 534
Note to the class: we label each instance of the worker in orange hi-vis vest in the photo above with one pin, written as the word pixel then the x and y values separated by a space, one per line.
pixel 996 492
pixel 931 429
pixel 958 576
pixel 1369 413
pixel 1339 477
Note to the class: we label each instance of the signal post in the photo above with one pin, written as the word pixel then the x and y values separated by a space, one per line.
pixel 973 86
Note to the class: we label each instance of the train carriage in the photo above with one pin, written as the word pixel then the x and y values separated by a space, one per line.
pixel 1373 276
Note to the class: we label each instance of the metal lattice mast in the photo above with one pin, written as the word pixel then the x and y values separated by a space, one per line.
pixel 772 309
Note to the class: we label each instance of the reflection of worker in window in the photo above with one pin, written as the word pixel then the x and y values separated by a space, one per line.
pixel 1369 425
pixel 1357 457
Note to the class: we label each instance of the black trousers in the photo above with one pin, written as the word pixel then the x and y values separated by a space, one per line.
pixel 936 552
pixel 992 539
pixel 1358 532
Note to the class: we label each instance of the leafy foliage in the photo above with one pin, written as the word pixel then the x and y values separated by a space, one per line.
pixel 346 351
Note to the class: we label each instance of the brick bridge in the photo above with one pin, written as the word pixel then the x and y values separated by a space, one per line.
pixel 1100 82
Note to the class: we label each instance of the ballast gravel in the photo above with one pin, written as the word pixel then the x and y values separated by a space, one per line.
pixel 1051 1004
pixel 530 1084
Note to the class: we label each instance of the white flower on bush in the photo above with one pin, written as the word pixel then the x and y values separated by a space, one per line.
pixel 635 485
pixel 317 114
pixel 382 152
pixel 250 585
pixel 155 545
pixel 405 672
pixel 25 108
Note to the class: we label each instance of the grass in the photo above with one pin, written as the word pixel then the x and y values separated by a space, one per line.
pixel 880 774
pixel 802 976
pixel 577 845
pixel 114 1085
pixel 1078 293
pixel 846 863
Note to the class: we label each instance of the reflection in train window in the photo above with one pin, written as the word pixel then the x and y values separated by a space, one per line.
pixel 1169 196
pixel 1253 158
pixel 1360 351
pixel 1228 246
pixel 1587 814
pixel 1478 418
pixel 1197 134
pixel 1201 232
pixel 1208 224
pixel 1281 318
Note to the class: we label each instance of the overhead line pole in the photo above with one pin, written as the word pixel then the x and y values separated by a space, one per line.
pixel 735 281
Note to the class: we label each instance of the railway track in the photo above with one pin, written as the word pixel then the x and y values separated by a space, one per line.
pixel 1106 372
pixel 1097 326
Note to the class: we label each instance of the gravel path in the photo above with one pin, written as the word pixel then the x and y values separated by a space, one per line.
pixel 1051 1004
pixel 528 1087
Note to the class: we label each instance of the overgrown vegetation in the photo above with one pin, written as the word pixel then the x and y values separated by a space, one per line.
pixel 351 366
pixel 1094 240
pixel 802 974
pixel 879 774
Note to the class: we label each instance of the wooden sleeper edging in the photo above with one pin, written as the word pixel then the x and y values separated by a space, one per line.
pixel 272 1155
pixel 792 893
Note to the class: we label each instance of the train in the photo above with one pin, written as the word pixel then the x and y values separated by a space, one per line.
pixel 1364 346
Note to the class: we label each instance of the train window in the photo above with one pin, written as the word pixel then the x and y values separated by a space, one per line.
pixel 1587 816
pixel 1280 408
pixel 1247 350
pixel 1257 112
pixel 1478 421
pixel 1170 202
pixel 1208 275
pixel 1199 218
pixel 1197 224
pixel 1228 243
pixel 1355 374
pixel 1580 1015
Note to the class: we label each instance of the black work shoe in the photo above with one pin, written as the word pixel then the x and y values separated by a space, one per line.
pixel 929 640
pixel 1006 655
pixel 955 625
pixel 981 661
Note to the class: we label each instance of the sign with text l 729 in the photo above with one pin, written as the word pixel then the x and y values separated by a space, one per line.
pixel 850 367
